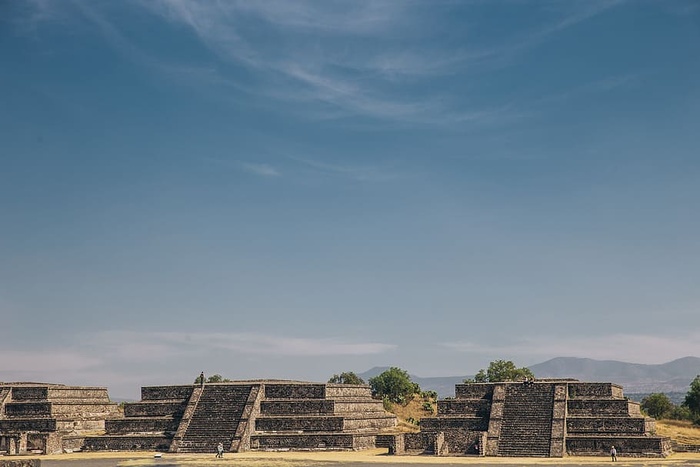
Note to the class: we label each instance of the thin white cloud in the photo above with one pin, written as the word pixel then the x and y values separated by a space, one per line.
pixel 637 348
pixel 320 70
pixel 239 343
pixel 38 361
pixel 338 59
pixel 264 170
pixel 361 174
pixel 600 86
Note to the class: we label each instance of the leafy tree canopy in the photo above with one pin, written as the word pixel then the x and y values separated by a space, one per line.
pixel 692 399
pixel 347 377
pixel 501 370
pixel 394 384
pixel 217 378
pixel 657 405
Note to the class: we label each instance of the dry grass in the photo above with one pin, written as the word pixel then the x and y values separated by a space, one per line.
pixel 411 412
pixel 680 430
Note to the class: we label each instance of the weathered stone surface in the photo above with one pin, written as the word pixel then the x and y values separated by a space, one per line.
pixel 264 415
pixel 179 393
pixel 299 424
pixel 547 418
pixel 20 463
pixel 127 443
pixel 297 407
pixel 475 407
pixel 606 425
pixel 36 417
pixel 154 408
pixel 295 391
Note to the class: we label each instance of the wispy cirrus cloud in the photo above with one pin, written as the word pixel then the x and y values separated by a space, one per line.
pixel 338 60
pixel 358 173
pixel 600 86
pixel 345 56
pixel 264 170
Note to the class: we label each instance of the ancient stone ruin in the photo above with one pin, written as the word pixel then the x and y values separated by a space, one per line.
pixel 50 418
pixel 536 419
pixel 543 418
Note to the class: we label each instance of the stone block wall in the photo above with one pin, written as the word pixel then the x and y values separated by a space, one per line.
pixel 419 442
pixel 579 390
pixel 28 409
pixel 141 425
pixel 640 446
pixel 20 463
pixel 153 393
pixel 343 407
pixel 325 441
pixel 57 393
pixel 80 425
pixel 41 424
pixel 154 409
pixel 295 391
pixel 127 443
pixel 474 391
pixel 82 409
pixel 453 423
pixel 466 407
pixel 598 407
pixel 303 407
pixel 606 425
pixel 572 418
pixel 343 391
pixel 299 424
pixel 29 393
pixel 369 423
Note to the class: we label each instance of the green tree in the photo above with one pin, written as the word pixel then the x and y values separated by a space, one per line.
pixel 501 370
pixel 692 399
pixel 347 377
pixel 217 378
pixel 680 412
pixel 394 384
pixel 657 405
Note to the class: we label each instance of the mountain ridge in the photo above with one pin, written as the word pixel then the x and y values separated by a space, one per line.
pixel 673 376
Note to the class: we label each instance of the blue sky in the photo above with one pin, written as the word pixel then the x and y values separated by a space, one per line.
pixel 295 189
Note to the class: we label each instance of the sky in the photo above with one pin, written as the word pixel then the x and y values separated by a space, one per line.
pixel 296 189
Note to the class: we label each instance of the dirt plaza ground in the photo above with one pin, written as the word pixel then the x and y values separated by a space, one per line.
pixel 372 458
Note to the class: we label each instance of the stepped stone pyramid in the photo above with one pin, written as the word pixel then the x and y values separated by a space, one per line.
pixel 50 418
pixel 248 415
pixel 541 418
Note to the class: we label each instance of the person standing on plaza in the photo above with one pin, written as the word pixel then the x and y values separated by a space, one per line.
pixel 613 453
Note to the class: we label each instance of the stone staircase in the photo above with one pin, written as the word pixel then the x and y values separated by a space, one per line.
pixel 216 418
pixel 527 420
pixel 248 415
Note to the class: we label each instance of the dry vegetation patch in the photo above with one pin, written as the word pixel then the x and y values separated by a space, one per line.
pixel 410 413
pixel 681 431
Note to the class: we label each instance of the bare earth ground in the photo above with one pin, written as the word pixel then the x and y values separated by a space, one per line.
pixel 371 458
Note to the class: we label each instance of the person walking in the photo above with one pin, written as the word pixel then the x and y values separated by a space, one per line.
pixel 220 451
pixel 613 453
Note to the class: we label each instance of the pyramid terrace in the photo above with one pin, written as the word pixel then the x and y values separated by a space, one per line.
pixel 539 418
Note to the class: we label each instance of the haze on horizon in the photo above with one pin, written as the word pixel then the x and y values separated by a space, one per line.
pixel 295 189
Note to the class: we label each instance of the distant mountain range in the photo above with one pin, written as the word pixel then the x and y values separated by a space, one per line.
pixel 671 377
